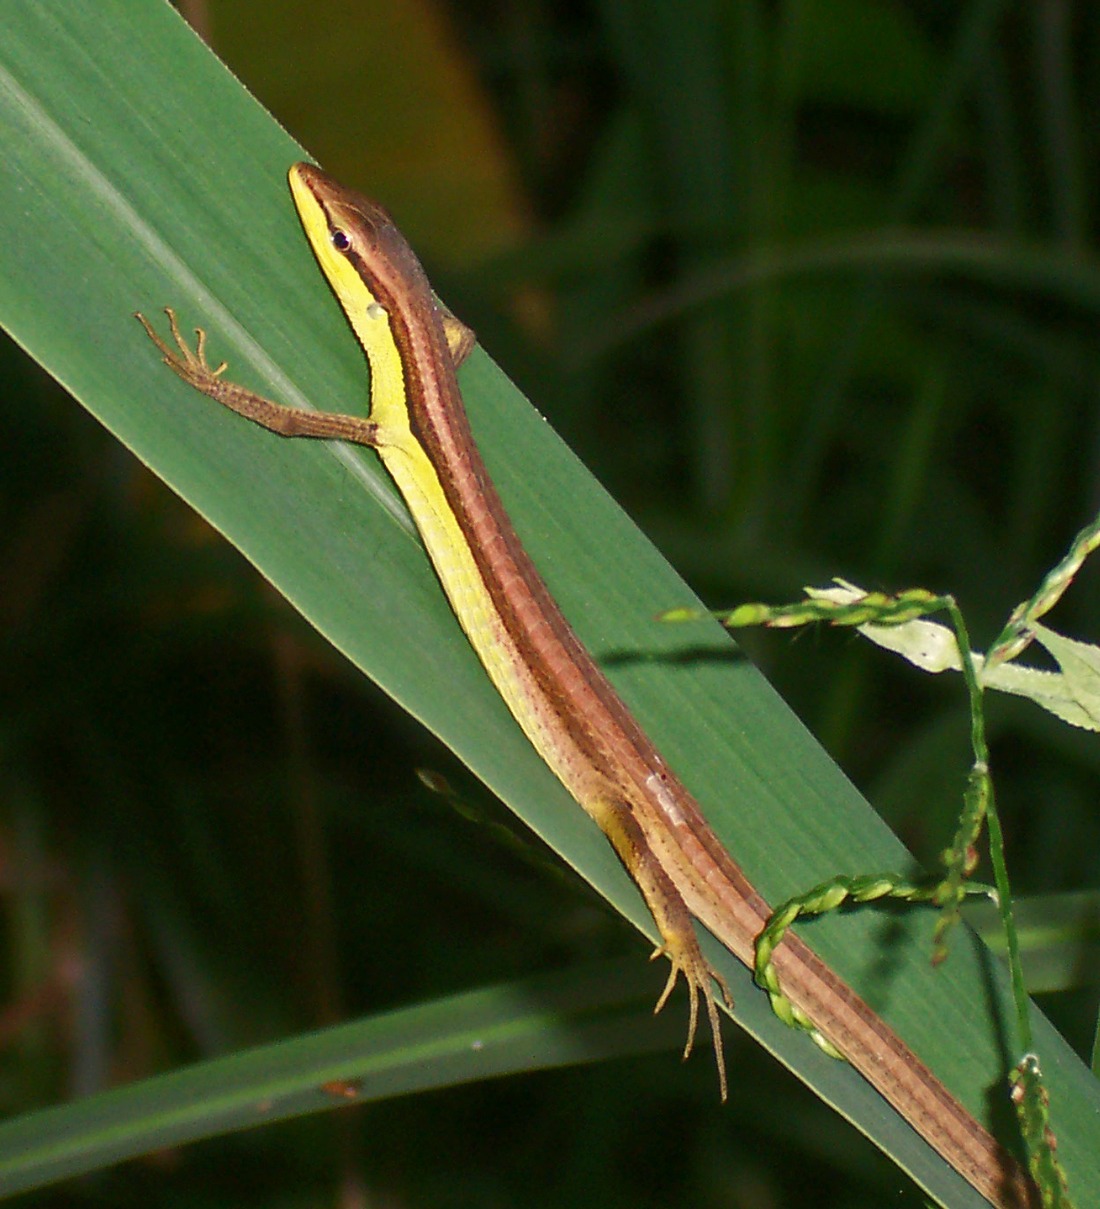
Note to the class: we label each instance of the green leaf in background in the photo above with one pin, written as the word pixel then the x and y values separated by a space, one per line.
pixel 139 173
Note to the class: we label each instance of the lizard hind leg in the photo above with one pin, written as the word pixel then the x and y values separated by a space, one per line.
pixel 670 912
pixel 687 958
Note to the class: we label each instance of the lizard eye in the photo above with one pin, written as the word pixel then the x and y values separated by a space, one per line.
pixel 340 241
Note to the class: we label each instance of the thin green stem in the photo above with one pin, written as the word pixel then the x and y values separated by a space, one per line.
pixel 982 785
